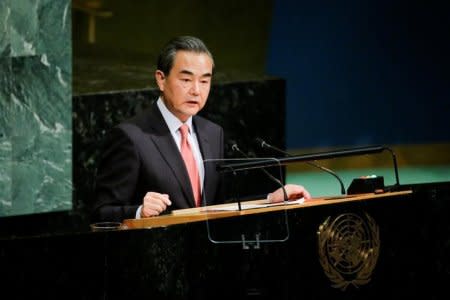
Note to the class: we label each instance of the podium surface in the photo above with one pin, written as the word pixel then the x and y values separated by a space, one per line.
pixel 215 212
pixel 367 246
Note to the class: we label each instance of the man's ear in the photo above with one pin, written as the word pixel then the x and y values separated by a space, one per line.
pixel 160 79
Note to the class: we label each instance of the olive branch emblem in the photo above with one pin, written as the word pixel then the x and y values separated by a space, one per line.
pixel 348 249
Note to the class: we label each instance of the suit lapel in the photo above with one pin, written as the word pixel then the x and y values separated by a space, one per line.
pixel 169 151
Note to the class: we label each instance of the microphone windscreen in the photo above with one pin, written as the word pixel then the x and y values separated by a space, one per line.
pixel 260 142
pixel 233 146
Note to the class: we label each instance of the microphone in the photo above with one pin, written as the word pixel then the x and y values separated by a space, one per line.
pixel 235 148
pixel 263 144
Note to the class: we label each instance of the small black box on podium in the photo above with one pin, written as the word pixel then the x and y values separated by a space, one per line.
pixel 366 184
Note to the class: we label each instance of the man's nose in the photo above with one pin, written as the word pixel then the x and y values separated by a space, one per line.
pixel 195 87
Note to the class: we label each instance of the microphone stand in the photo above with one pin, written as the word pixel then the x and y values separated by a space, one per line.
pixel 235 147
pixel 263 144
pixel 315 156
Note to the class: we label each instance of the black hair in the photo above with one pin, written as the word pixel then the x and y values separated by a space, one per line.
pixel 181 43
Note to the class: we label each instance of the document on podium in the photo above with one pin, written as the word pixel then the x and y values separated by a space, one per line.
pixel 245 205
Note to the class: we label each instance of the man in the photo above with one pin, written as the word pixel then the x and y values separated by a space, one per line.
pixel 152 162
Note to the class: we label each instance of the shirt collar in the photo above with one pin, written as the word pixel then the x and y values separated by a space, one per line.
pixel 172 122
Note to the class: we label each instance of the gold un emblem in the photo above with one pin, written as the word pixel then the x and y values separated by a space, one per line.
pixel 348 249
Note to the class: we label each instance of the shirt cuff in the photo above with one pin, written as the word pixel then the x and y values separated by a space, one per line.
pixel 138 212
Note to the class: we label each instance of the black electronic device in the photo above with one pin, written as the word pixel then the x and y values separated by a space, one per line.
pixel 366 184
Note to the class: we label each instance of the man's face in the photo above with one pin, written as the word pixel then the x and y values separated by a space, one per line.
pixel 185 89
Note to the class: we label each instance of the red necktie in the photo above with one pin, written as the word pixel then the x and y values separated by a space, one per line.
pixel 191 165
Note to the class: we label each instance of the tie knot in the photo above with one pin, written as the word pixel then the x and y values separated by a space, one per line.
pixel 184 129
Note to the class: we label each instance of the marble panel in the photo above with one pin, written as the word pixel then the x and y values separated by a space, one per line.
pixel 5 43
pixel 54 41
pixel 24 27
pixel 5 99
pixel 35 106
pixel 5 137
pixel 5 176
pixel 40 138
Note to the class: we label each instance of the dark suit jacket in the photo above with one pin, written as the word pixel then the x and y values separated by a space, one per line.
pixel 140 155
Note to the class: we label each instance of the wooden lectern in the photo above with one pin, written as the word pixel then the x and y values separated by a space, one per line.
pixel 340 247
pixel 366 246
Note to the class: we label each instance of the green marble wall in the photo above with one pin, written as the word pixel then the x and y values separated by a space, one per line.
pixel 35 106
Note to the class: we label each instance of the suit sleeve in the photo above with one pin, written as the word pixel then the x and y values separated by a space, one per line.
pixel 116 179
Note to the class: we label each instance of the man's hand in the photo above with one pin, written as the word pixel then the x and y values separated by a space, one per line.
pixel 154 204
pixel 293 192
